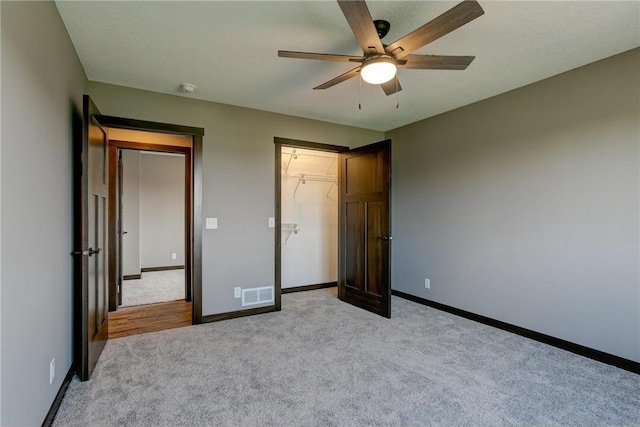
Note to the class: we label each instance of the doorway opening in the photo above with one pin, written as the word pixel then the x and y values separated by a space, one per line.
pixel 151 218
pixel 306 234
pixel 363 231
pixel 150 194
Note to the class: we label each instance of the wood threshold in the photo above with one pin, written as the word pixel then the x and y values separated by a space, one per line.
pixel 149 318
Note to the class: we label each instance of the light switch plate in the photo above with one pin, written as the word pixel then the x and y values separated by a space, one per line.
pixel 211 223
pixel 237 292
pixel 52 370
pixel 272 222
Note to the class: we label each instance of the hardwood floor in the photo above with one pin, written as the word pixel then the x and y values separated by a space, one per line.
pixel 149 318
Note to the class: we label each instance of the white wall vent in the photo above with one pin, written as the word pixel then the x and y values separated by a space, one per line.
pixel 252 296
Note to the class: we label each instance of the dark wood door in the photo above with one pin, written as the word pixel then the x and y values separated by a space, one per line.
pixel 92 231
pixel 120 231
pixel 364 222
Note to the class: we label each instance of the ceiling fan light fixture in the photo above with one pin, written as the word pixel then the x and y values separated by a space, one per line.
pixel 378 69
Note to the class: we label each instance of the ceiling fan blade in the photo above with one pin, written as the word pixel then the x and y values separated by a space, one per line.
pixel 392 86
pixel 452 19
pixel 320 56
pixel 341 78
pixel 361 23
pixel 436 62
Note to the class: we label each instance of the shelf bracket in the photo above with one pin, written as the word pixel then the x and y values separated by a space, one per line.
pixel 332 184
pixel 300 180
pixel 289 228
pixel 292 155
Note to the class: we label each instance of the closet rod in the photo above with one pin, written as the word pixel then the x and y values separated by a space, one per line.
pixel 303 178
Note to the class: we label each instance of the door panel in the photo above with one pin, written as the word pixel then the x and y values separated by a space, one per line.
pixel 354 277
pixel 92 229
pixel 364 248
pixel 375 248
pixel 361 174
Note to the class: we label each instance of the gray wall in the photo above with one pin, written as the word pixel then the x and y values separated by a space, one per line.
pixel 238 178
pixel 524 207
pixel 41 79
pixel 161 210
pixel 131 212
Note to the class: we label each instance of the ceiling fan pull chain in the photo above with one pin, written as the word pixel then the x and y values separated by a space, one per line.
pixel 360 95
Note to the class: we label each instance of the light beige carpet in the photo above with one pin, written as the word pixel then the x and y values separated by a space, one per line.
pixel 153 287
pixel 322 362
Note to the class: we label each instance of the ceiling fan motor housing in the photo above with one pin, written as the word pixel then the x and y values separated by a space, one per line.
pixel 382 27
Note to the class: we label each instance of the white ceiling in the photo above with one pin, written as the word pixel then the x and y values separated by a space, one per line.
pixel 229 51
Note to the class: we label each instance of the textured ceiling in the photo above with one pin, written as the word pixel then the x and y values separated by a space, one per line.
pixel 229 51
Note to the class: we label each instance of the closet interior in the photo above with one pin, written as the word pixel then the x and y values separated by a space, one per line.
pixel 309 212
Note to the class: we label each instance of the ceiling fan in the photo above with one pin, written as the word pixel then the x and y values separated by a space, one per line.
pixel 379 62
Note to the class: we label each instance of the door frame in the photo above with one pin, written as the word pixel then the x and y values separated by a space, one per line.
pixel 293 143
pixel 193 199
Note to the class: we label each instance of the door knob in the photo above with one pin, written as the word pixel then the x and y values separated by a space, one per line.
pixel 385 238
pixel 87 252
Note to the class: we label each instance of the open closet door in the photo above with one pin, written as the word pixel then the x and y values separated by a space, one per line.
pixel 91 242
pixel 119 230
pixel 364 250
